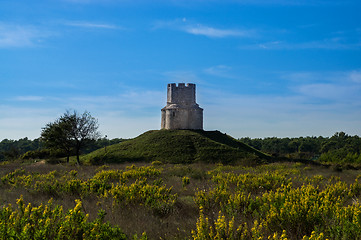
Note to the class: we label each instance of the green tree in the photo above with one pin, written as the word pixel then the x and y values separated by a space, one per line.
pixel 84 129
pixel 71 131
pixel 56 135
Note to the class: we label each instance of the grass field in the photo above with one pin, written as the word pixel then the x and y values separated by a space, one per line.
pixel 181 201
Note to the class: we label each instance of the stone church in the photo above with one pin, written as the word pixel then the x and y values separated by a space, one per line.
pixel 182 111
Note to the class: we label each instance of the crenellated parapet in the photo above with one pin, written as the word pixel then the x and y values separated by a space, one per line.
pixel 181 94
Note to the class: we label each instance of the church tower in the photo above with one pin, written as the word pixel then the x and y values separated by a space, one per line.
pixel 182 111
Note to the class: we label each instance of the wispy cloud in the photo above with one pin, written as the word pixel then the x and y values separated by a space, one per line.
pixel 355 76
pixel 334 43
pixel 125 115
pixel 272 115
pixel 341 87
pixel 85 1
pixel 222 71
pixel 20 35
pixel 29 98
pixel 330 91
pixel 129 101
pixel 316 103
pixel 15 35
pixel 187 3
pixel 292 2
pixel 324 76
pixel 348 39
pixel 84 24
pixel 212 32
pixel 20 122
pixel 194 28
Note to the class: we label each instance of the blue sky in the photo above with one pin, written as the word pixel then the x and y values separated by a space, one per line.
pixel 262 68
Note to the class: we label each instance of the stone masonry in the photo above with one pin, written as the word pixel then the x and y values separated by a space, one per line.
pixel 182 111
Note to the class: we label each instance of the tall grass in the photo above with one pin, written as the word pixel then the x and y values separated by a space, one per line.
pixel 178 201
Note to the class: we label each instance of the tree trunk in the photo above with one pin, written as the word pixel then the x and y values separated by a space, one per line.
pixel 78 146
pixel 77 156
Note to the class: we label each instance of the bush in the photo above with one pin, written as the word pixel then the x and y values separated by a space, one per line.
pixel 37 154
pixel 50 222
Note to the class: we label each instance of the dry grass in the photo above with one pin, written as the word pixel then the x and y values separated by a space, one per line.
pixel 136 219
pixel 133 219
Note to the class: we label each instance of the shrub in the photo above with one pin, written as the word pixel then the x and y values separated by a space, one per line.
pixel 50 222
pixel 185 181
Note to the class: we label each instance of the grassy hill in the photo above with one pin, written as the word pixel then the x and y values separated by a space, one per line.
pixel 179 146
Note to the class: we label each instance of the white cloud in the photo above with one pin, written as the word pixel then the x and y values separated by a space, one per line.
pixel 86 1
pixel 79 1
pixel 337 40
pixel 14 35
pixel 27 122
pixel 355 76
pixel 328 91
pixel 318 103
pixel 193 28
pixel 134 111
pixel 125 115
pixel 329 43
pixel 20 122
pixel 188 3
pixel 215 32
pixel 303 76
pixel 91 25
pixel 222 71
pixel 343 87
pixel 20 35
pixel 269 115
pixel 29 98
pixel 118 125
pixel 346 77
pixel 143 98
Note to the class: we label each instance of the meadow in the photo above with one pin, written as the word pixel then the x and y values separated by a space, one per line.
pixel 154 200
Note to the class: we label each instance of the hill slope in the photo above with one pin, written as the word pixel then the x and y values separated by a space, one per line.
pixel 178 146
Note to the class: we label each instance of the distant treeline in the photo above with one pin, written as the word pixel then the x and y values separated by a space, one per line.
pixel 26 148
pixel 340 148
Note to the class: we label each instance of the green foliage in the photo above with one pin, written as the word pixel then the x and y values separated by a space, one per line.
pixel 340 148
pixel 70 132
pixel 111 184
pixel 156 163
pixel 158 198
pixel 50 222
pixel 143 237
pixel 277 209
pixel 285 146
pixel 12 149
pixel 273 201
pixel 100 143
pixel 181 170
pixel 132 187
pixel 27 149
pixel 185 181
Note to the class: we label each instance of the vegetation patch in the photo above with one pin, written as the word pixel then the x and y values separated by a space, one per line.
pixel 179 146
pixel 49 221
pixel 179 201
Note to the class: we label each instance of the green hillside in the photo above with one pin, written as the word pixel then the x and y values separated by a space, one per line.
pixel 179 146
